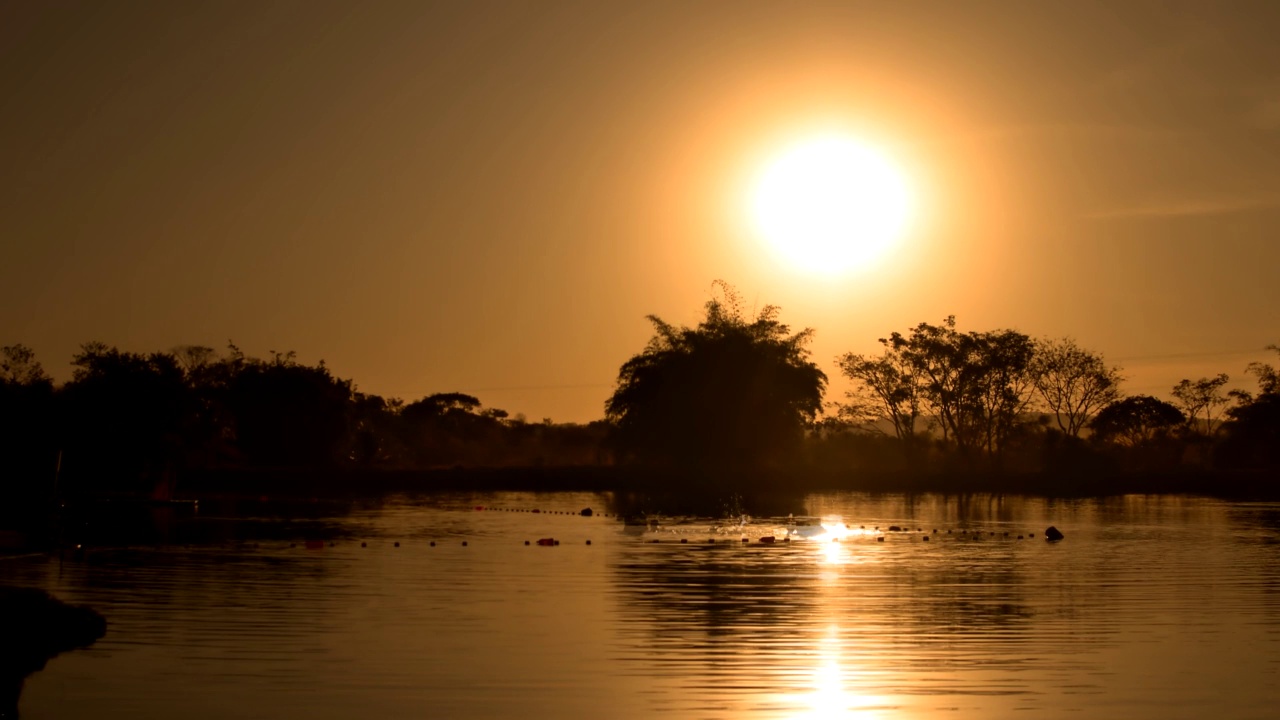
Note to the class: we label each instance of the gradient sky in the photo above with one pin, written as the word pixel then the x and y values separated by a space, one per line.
pixel 490 197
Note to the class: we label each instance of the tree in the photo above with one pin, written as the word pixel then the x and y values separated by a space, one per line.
pixel 28 437
pixel 976 384
pixel 1135 421
pixel 1266 374
pixel 18 366
pixel 1202 396
pixel 1253 427
pixel 888 390
pixel 1074 383
pixel 451 428
pixel 125 416
pixel 286 414
pixel 733 392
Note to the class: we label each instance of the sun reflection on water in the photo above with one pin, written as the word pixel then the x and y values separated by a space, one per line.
pixel 827 696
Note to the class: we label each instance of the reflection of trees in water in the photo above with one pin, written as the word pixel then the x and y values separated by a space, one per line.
pixel 715 503
pixel 755 616
pixel 123 524
pixel 727 590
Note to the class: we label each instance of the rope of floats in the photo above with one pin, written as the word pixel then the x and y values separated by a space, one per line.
pixel 1052 534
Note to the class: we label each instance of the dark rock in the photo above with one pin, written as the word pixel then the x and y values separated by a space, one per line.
pixel 1053 534
pixel 34 627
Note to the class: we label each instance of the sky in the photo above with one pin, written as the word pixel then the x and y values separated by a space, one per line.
pixel 491 197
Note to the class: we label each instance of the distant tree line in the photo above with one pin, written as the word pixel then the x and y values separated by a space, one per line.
pixel 1001 400
pixel 133 422
pixel 736 393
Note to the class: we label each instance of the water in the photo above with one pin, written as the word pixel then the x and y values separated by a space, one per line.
pixel 1153 607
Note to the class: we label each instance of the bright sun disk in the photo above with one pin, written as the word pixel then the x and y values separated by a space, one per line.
pixel 831 204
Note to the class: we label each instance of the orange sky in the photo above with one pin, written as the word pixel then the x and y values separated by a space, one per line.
pixel 490 197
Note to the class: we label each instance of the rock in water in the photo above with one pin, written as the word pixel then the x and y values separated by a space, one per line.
pixel 1052 534
pixel 34 627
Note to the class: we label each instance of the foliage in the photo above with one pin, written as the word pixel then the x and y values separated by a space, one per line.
pixel 1135 420
pixel 124 414
pixel 28 444
pixel 1073 383
pixel 1253 427
pixel 286 414
pixel 18 366
pixel 975 384
pixel 1202 396
pixel 888 391
pixel 732 392
pixel 1266 374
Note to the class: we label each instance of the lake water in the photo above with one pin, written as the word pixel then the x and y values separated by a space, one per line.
pixel 1152 607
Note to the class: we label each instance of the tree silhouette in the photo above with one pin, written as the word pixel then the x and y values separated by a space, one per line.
pixel 888 390
pixel 1074 383
pixel 732 392
pixel 28 442
pixel 1135 421
pixel 976 384
pixel 1202 396
pixel 286 414
pixel 1253 427
pixel 124 416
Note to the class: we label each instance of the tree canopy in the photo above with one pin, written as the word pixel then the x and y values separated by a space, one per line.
pixel 732 392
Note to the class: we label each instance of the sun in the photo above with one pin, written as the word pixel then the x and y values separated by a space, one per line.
pixel 830 205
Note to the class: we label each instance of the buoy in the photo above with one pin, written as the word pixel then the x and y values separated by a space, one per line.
pixel 586 512
pixel 711 541
pixel 433 543
pixel 479 507
pixel 364 544
pixel 746 539
pixel 535 510
pixel 880 539
pixel 925 538
pixel 766 539
pixel 526 542
pixel 588 542
pixel 894 528
pixel 464 543
pixel 1053 534
pixel 684 541
pixel 546 542
pixel 397 543
pixel 1019 537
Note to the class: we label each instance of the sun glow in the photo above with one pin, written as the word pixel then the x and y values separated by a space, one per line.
pixel 830 205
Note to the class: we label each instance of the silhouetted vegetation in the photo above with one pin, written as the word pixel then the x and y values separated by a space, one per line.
pixel 133 424
pixel 34 627
pixel 732 392
pixel 735 396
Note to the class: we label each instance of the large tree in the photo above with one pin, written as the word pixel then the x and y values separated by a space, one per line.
pixel 733 392
pixel 887 390
pixel 975 384
pixel 1135 421
pixel 1073 383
